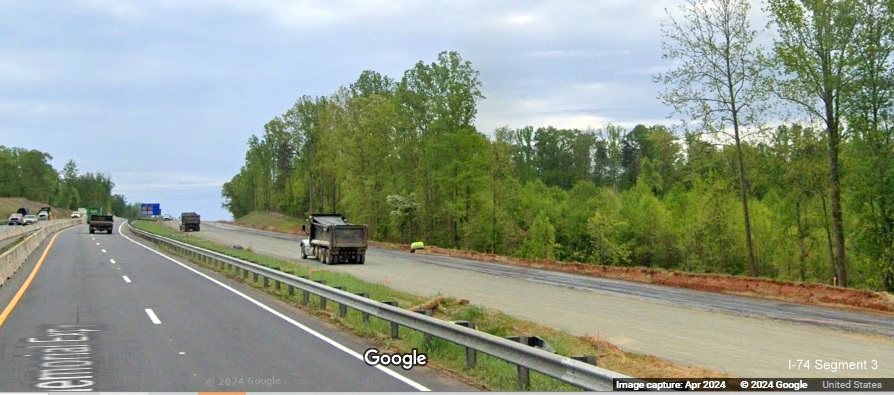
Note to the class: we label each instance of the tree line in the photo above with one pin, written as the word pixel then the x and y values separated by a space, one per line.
pixel 28 173
pixel 732 192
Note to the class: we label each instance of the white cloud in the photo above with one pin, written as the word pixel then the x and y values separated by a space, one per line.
pixel 15 71
pixel 646 71
pixel 187 73
pixel 576 54
pixel 518 19
pixel 305 15
pixel 32 108
pixel 120 9
pixel 164 180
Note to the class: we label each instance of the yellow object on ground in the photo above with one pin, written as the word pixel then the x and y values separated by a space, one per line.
pixel 417 246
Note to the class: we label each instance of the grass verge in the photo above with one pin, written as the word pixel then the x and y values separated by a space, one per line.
pixel 490 373
pixel 6 245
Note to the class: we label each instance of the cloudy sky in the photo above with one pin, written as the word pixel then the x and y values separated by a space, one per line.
pixel 162 96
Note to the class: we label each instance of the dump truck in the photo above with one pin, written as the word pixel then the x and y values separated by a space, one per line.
pixel 100 223
pixel 332 240
pixel 190 222
pixel 92 211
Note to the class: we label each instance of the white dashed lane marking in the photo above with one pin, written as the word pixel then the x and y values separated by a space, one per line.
pixel 153 317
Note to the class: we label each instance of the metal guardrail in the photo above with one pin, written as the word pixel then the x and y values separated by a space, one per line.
pixel 566 369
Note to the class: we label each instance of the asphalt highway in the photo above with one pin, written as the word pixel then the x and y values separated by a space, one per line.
pixel 742 336
pixel 107 313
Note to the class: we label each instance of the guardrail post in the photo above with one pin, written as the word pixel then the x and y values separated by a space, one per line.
pixel 292 287
pixel 426 338
pixel 365 314
pixel 305 295
pixel 266 282
pixel 276 282
pixel 471 354
pixel 395 328
pixel 524 377
pixel 322 299
pixel 342 308
pixel 244 273
pixel 254 277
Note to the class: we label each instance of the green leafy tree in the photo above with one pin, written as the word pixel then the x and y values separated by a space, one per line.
pixel 816 46
pixel 604 231
pixel 541 241
pixel 720 80
pixel 870 156
pixel 612 161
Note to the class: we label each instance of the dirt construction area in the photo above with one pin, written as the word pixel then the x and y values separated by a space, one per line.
pixel 803 293
pixel 741 336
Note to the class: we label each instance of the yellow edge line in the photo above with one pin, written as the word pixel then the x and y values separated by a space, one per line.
pixel 15 299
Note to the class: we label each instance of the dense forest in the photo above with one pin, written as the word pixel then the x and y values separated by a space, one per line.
pixel 739 189
pixel 28 174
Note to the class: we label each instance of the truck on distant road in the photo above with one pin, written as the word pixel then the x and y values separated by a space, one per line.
pixel 92 211
pixel 190 222
pixel 332 240
pixel 101 223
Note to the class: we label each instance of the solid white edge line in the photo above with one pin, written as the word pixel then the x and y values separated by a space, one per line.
pixel 126 279
pixel 153 317
pixel 398 376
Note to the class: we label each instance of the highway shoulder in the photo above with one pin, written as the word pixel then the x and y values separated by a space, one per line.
pixel 432 378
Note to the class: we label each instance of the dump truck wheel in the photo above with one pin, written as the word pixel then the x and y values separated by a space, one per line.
pixel 91 231
pixel 325 257
pixel 303 253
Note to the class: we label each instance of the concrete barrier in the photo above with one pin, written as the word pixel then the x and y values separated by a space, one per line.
pixel 12 259
pixel 17 231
